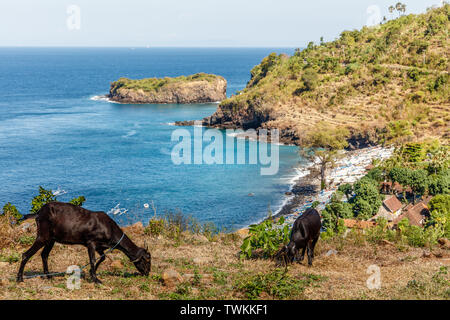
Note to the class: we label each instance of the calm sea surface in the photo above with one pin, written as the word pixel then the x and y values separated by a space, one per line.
pixel 53 134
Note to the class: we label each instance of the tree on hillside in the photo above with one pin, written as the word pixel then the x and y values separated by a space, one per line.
pixel 418 181
pixel 400 7
pixel 346 189
pixel 367 199
pixel 401 176
pixel 322 145
pixel 439 160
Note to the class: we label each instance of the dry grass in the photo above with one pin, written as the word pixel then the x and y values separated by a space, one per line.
pixel 214 271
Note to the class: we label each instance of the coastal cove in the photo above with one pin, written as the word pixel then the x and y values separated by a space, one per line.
pixel 54 134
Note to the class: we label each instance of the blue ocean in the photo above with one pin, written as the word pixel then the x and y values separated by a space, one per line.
pixel 55 133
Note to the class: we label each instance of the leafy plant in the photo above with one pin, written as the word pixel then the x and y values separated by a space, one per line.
pixel 78 201
pixel 277 283
pixel 44 197
pixel 267 236
pixel 10 211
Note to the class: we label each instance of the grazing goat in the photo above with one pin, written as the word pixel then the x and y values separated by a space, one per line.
pixel 69 224
pixel 304 235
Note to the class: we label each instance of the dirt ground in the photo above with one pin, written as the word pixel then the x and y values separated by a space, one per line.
pixel 211 269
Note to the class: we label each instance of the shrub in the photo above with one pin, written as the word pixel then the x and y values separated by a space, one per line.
pixel 419 237
pixel 439 184
pixel 155 227
pixel 277 283
pixel 413 74
pixel 78 201
pixel 310 79
pixel 10 211
pixel 367 199
pixel 268 236
pixel 44 197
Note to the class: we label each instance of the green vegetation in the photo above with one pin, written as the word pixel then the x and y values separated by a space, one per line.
pixel 413 166
pixel 78 201
pixel 387 83
pixel 277 284
pixel 266 236
pixel 155 84
pixel 11 211
pixel 44 197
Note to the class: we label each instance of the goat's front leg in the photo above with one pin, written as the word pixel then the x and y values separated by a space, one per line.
pixel 91 252
pixel 102 258
pixel 302 255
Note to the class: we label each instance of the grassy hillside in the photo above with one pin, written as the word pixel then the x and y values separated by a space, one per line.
pixel 210 268
pixel 388 82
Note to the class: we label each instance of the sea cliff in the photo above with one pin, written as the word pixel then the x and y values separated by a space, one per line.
pixel 197 88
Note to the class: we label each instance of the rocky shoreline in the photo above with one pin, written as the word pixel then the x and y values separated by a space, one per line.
pixel 306 188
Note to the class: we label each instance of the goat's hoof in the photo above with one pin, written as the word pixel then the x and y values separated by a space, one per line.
pixel 19 280
pixel 49 277
pixel 97 281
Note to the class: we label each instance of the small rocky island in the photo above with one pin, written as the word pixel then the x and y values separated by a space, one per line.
pixel 196 88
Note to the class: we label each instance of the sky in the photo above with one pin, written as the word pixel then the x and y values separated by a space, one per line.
pixel 187 23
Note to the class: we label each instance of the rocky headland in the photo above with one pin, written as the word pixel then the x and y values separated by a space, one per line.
pixel 197 88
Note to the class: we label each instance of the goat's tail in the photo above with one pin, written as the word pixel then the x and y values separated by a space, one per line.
pixel 28 216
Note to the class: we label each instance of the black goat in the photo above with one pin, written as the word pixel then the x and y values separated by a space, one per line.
pixel 69 224
pixel 304 235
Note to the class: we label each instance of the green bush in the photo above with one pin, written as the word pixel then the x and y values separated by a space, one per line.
pixel 277 283
pixel 10 210
pixel 268 236
pixel 155 227
pixel 44 197
pixel 78 201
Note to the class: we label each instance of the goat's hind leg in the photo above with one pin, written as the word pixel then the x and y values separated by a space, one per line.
pixel 91 252
pixel 38 243
pixel 45 252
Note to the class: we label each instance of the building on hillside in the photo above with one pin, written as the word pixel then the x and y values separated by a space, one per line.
pixel 390 209
pixel 416 214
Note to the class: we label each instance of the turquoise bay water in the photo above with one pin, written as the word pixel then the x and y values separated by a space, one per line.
pixel 53 134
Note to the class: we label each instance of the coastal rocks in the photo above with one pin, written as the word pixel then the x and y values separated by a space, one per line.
pixel 304 189
pixel 198 88
pixel 171 278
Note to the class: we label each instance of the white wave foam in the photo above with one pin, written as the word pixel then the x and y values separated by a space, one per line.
pixel 103 98
pixel 117 210
pixel 59 192
pixel 130 134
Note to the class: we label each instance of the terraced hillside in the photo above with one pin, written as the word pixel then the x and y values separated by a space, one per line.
pixel 387 83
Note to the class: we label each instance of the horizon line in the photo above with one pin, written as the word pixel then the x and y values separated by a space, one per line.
pixel 153 47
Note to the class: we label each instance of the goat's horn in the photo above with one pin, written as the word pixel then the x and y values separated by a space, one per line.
pixel 146 245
